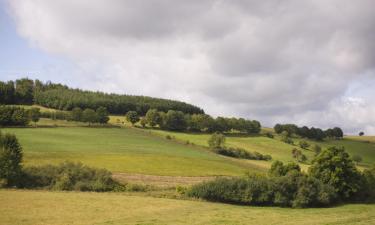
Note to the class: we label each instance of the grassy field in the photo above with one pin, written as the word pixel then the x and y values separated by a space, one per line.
pixel 362 146
pixel 61 208
pixel 124 150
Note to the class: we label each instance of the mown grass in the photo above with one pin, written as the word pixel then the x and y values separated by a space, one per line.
pixel 61 208
pixel 128 150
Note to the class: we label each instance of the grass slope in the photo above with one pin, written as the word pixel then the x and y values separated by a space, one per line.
pixel 60 208
pixel 123 150
pixel 363 146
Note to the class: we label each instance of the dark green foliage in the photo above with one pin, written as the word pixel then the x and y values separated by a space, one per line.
pixel 132 117
pixel 102 115
pixel 58 96
pixel 292 190
pixel 89 116
pixel 361 133
pixel 153 117
pixel 13 116
pixel 311 133
pixel 334 167
pixel 242 154
pixel 76 114
pixel 278 168
pixel 34 114
pixel 367 191
pixel 10 158
pixel 269 135
pixel 285 137
pixel 174 120
pixel 68 176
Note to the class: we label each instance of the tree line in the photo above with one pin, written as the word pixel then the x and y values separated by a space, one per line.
pixel 311 133
pixel 179 121
pixel 58 96
pixel 326 183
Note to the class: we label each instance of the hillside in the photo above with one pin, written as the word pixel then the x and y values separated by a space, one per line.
pixel 60 208
pixel 128 150
pixel 59 96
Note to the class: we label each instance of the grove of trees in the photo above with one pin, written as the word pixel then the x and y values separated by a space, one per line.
pixel 58 96
pixel 311 133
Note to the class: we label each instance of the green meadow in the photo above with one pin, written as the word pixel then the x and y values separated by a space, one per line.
pixel 129 150
pixel 80 208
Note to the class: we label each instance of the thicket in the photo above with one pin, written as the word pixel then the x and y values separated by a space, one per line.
pixel 58 96
pixel 17 116
pixel 67 176
pixel 331 179
pixel 311 133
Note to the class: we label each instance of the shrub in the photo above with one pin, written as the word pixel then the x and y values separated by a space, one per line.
pixel 241 153
pixel 68 176
pixel 216 141
pixel 317 149
pixel 269 135
pixel 10 159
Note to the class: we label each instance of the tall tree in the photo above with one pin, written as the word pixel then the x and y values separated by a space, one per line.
pixel 102 115
pixel 89 116
pixel 132 117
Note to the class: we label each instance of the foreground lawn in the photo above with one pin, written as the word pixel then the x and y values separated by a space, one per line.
pixel 61 208
pixel 123 150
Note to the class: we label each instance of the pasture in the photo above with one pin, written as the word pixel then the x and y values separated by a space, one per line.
pixel 126 150
pixel 61 208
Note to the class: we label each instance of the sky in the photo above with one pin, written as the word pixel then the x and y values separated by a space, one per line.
pixel 308 62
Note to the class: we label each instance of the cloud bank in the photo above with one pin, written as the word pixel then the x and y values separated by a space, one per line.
pixel 309 62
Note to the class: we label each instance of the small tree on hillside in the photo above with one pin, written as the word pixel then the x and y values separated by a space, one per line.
pixel 361 133
pixel 334 166
pixel 102 115
pixel 153 117
pixel 143 122
pixel 76 114
pixel 34 115
pixel 132 117
pixel 216 141
pixel 89 116
pixel 10 158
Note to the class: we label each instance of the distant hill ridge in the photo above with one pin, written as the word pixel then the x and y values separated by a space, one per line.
pixel 59 96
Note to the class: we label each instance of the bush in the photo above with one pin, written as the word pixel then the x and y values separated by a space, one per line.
pixel 68 176
pixel 269 135
pixel 292 190
pixel 241 153
pixel 216 141
pixel 304 144
pixel 10 159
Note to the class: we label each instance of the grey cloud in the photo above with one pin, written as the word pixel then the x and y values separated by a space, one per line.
pixel 274 60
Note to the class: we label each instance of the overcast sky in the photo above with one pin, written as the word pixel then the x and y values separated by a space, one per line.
pixel 308 62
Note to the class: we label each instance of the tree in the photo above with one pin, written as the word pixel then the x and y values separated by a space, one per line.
pixel 89 116
pixel 334 166
pixel 132 117
pixel 278 168
pixel 216 141
pixel 102 115
pixel 143 122
pixel 361 133
pixel 304 144
pixel 153 117
pixel 34 115
pixel 76 114
pixel 174 120
pixel 24 91
pixel 10 158
pixel 297 154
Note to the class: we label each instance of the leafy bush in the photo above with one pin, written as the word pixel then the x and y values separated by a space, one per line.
pixel 10 159
pixel 292 190
pixel 68 176
pixel 304 144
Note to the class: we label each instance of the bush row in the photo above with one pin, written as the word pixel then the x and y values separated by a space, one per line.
pixel 242 154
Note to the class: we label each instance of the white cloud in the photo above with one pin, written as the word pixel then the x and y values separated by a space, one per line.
pixel 271 60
